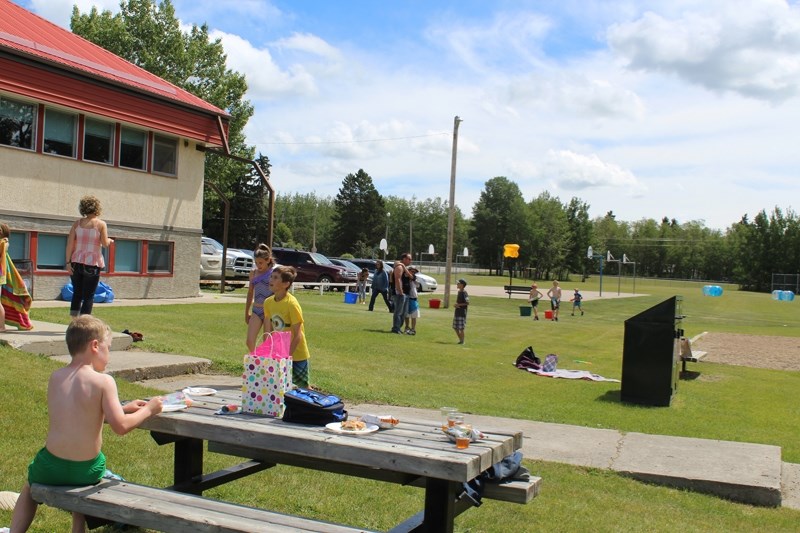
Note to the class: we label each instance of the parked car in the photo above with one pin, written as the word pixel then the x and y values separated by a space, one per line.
pixel 238 264
pixel 353 270
pixel 210 262
pixel 425 283
pixel 311 266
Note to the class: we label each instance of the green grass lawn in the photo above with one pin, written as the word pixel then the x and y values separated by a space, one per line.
pixel 355 356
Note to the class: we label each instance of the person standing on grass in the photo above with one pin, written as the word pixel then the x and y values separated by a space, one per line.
pixel 534 297
pixel 257 292
pixel 283 313
pixel 460 314
pixel 413 304
pixel 363 277
pixel 400 280
pixel 380 285
pixel 576 300
pixel 555 299
pixel 80 398
pixel 87 237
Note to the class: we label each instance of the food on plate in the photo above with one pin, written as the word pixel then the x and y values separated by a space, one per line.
pixel 354 425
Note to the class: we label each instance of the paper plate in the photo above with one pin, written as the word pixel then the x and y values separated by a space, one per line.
pixel 336 427
pixel 169 408
pixel 199 391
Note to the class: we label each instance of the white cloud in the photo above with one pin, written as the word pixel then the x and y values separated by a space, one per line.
pixel 573 171
pixel 749 47
pixel 265 79
pixel 60 11
pixel 311 44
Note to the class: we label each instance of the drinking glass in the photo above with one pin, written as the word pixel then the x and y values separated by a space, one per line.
pixel 446 412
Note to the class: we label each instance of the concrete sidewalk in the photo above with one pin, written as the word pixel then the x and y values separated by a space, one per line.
pixel 749 473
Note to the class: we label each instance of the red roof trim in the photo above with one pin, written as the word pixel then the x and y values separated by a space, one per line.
pixel 23 32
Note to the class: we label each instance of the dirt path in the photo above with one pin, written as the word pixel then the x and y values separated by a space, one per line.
pixel 759 351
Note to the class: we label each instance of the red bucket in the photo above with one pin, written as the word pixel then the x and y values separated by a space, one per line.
pixel 434 303
pixel 548 315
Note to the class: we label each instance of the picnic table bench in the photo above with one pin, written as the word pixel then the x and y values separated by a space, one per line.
pixel 688 355
pixel 414 453
pixel 516 289
pixel 171 511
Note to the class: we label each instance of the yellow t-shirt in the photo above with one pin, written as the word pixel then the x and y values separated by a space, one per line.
pixel 283 314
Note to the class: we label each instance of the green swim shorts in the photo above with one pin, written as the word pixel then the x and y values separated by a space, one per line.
pixel 48 469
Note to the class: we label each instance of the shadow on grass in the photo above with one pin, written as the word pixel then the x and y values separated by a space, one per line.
pixel 689 375
pixel 612 396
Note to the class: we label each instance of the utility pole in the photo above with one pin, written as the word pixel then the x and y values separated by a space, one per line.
pixel 451 217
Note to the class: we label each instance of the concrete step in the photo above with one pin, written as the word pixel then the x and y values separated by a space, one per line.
pixel 134 365
pixel 48 339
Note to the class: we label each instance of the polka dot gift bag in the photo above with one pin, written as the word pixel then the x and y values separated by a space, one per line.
pixel 267 376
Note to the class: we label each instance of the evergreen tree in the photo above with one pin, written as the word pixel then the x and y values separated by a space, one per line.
pixel 359 215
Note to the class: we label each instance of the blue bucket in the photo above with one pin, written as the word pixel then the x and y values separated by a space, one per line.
pixel 350 297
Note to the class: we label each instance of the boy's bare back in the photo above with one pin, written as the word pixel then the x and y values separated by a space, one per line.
pixel 75 398
pixel 80 397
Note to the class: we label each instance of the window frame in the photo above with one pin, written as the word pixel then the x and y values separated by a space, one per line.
pixel 152 271
pixel 33 124
pixel 164 140
pixel 110 144
pixel 145 147
pixel 75 121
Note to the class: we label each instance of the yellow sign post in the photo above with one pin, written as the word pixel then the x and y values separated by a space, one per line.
pixel 510 251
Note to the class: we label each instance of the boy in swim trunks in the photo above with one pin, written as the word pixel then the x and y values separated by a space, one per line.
pixel 80 397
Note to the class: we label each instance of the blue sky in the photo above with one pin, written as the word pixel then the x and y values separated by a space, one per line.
pixel 685 109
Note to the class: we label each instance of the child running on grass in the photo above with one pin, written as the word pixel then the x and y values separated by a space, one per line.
pixel 576 300
pixel 80 397
pixel 460 315
pixel 283 313
pixel 256 294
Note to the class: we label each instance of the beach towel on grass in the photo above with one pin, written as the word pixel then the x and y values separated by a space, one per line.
pixel 571 374
pixel 14 295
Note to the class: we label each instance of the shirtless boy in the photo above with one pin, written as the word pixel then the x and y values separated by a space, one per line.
pixel 79 398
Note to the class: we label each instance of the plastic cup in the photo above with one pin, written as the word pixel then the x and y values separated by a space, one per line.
pixel 446 412
pixel 462 443
pixel 455 419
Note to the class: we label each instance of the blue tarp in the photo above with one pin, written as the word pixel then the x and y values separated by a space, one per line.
pixel 102 295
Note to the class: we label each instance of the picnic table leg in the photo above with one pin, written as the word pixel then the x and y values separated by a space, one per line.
pixel 188 465
pixel 440 505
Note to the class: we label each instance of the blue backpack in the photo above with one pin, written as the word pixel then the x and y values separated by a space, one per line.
pixel 314 408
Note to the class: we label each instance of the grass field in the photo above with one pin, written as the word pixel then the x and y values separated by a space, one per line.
pixel 354 355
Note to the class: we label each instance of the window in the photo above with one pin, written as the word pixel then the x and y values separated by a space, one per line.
pixel 165 155
pixel 127 256
pixel 133 148
pixel 98 141
pixel 18 246
pixel 159 257
pixel 50 252
pixel 17 121
pixel 59 133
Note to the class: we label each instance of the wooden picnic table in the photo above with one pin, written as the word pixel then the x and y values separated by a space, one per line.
pixel 415 452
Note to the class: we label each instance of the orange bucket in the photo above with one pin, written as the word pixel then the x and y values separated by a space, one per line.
pixel 548 315
pixel 434 303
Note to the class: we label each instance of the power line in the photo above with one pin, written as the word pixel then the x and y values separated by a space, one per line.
pixel 359 140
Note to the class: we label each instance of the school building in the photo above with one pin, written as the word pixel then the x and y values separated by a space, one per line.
pixel 76 119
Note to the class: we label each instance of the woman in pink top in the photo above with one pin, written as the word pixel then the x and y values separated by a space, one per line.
pixel 84 256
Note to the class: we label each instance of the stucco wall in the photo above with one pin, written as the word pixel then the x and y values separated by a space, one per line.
pixel 46 185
